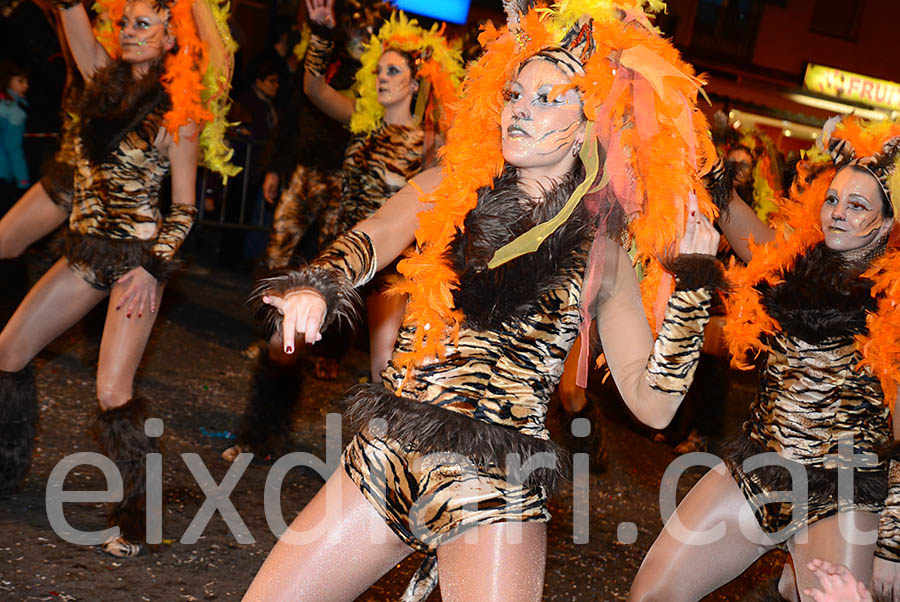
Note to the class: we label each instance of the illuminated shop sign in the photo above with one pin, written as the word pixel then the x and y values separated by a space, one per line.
pixel 852 86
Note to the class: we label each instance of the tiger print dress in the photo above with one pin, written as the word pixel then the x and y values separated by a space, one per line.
pixel 461 441
pixel 814 406
pixel 375 167
pixel 116 213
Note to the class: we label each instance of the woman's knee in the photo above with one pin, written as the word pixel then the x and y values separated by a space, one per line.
pixel 112 394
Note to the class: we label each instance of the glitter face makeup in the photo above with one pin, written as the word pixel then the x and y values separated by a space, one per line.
pixel 143 35
pixel 851 215
pixel 395 80
pixel 539 130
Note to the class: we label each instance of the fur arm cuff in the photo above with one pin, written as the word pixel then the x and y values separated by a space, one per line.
pixel 676 351
pixel 720 183
pixel 348 263
pixel 888 544
pixel 161 260
pixel 318 54
pixel 695 271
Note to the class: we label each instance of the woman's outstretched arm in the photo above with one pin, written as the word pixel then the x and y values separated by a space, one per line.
pixel 309 298
pixel 330 101
pixel 88 53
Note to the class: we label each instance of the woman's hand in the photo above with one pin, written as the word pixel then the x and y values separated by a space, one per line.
pixel 321 12
pixel 886 579
pixel 700 236
pixel 837 582
pixel 270 187
pixel 142 292
pixel 303 313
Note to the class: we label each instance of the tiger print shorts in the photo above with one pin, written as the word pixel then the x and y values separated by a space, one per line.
pixel 429 499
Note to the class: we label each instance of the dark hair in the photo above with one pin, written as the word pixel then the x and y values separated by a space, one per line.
pixel 411 63
pixel 9 70
pixel 261 68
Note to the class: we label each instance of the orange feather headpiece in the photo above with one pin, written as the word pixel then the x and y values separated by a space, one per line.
pixel 640 100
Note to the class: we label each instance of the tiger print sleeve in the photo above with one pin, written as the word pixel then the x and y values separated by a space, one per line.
pixel 349 262
pixel 653 376
pixel 318 54
pixel 161 258
pixel 888 544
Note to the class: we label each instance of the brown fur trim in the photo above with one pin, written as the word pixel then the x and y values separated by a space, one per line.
pixel 693 271
pixel 160 268
pixel 111 257
pixel 341 299
pixel 120 435
pixel 720 183
pixel 114 103
pixel 18 422
pixel 428 429
pixel 58 181
pixel 869 487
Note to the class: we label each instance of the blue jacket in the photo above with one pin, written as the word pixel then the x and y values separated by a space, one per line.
pixel 12 131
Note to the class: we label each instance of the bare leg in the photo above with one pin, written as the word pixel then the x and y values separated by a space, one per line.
pixel 385 316
pixel 824 540
pixel 32 217
pixel 340 547
pixel 670 572
pixel 56 302
pixel 121 350
pixel 494 568
pixel 571 395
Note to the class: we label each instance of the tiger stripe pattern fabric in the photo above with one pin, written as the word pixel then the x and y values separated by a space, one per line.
pixel 311 195
pixel 375 168
pixel 676 351
pixel 429 498
pixel 119 197
pixel 115 211
pixel 811 398
pixel 59 174
pixel 503 378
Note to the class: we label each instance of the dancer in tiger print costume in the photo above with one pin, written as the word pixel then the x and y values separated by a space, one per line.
pixel 815 303
pixel 388 147
pixel 514 259
pixel 130 134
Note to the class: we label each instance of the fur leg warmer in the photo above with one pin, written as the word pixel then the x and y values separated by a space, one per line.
pixel 120 436
pixel 18 420
pixel 266 424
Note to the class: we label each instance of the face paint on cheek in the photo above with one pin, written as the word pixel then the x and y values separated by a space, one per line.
pixel 557 139
pixel 873 224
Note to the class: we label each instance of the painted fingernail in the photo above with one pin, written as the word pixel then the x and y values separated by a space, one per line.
pixel 289 349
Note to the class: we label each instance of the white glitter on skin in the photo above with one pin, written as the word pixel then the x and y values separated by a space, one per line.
pixel 539 131
pixel 143 35
pixel 851 215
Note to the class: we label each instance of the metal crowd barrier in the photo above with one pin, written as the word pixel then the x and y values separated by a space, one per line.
pixel 237 205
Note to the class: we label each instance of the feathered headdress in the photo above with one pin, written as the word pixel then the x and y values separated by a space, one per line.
pixel 438 67
pixel 646 148
pixel 848 141
pixel 197 74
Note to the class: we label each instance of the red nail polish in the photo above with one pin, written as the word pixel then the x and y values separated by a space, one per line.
pixel 289 350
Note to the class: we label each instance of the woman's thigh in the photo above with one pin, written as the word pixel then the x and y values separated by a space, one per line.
pixel 30 219
pixel 121 349
pixel 839 539
pixel 53 305
pixel 494 563
pixel 335 549
pixel 710 539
